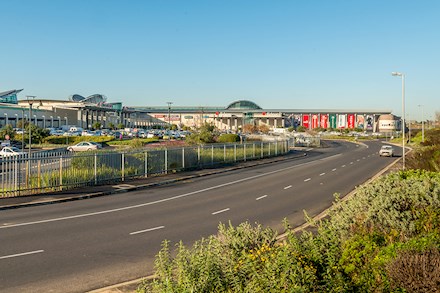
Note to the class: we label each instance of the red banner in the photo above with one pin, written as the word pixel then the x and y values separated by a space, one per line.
pixel 306 121
pixel 350 121
pixel 324 120
pixel 315 121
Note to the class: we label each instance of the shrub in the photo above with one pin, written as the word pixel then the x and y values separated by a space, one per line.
pixel 228 138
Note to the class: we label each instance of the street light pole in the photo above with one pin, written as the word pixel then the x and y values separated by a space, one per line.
pixel 423 124
pixel 169 111
pixel 30 101
pixel 6 119
pixel 44 121
pixel 402 76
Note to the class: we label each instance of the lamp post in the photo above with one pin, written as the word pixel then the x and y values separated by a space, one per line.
pixel 30 101
pixel 22 128
pixel 44 121
pixel 67 137
pixel 6 119
pixel 59 121
pixel 35 120
pixel 169 111
pixel 402 76
pixel 16 120
pixel 51 121
pixel 423 124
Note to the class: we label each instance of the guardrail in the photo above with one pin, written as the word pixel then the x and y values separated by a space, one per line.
pixel 53 171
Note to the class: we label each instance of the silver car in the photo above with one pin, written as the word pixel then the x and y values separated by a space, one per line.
pixel 84 146
pixel 386 151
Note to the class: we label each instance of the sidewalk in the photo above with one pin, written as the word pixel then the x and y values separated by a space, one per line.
pixel 130 185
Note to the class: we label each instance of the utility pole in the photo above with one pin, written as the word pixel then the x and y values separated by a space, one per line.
pixel 169 113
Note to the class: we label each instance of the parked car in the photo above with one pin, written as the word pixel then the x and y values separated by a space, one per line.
pixel 13 143
pixel 10 151
pixel 387 151
pixel 84 146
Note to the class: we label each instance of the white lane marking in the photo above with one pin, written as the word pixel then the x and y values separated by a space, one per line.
pixel 158 201
pixel 322 174
pixel 308 179
pixel 351 163
pixel 221 211
pixel 21 254
pixel 343 166
pixel 147 230
pixel 358 160
pixel 261 197
pixel 287 187
pixel 363 158
pixel 333 170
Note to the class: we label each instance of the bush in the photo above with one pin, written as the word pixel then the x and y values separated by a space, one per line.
pixel 228 138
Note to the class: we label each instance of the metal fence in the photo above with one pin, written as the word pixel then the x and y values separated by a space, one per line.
pixel 60 170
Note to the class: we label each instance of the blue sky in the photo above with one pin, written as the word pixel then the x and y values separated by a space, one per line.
pixel 279 54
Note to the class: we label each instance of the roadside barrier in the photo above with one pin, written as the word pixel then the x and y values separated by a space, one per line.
pixel 61 170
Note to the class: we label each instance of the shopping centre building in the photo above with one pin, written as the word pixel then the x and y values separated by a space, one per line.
pixel 86 111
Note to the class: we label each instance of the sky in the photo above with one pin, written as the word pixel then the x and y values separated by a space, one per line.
pixel 297 54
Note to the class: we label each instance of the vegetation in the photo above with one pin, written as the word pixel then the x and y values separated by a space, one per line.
pixel 228 138
pixel 387 239
pixel 203 135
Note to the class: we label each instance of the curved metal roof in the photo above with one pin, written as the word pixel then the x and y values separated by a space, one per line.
pixel 243 104
pixel 93 99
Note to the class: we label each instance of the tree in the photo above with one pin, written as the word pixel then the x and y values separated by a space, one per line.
pixel 111 126
pixel 249 128
pixel 97 125
pixel 7 130
pixel 263 128
pixel 38 134
pixel 121 126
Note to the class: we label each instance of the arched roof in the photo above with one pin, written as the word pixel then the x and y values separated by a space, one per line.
pixel 243 104
pixel 94 99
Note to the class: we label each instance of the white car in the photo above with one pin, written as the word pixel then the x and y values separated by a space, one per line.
pixel 84 146
pixel 10 151
pixel 387 151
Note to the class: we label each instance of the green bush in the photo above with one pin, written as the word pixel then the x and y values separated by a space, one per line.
pixel 228 138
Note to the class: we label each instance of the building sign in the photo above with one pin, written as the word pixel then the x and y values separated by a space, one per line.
pixel 188 117
pixel 370 122
pixel 159 116
pixel 342 118
pixel 324 120
pixel 332 120
pixel 360 121
pixel 350 120
pixel 315 121
pixel 306 121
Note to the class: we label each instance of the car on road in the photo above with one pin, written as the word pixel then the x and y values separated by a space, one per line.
pixel 11 151
pixel 386 151
pixel 84 146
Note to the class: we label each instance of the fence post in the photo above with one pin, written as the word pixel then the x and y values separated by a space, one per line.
pixel 96 169
pixel 183 158
pixel 235 152
pixel 61 172
pixel 146 164
pixel 39 174
pixel 276 147
pixel 262 150
pixel 224 153
pixel 253 151
pixel 244 152
pixel 269 150
pixel 166 161
pixel 198 155
pixel 212 154
pixel 123 167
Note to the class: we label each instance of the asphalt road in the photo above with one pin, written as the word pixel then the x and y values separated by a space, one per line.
pixel 83 245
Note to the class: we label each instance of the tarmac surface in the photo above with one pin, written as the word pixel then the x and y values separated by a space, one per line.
pixel 130 185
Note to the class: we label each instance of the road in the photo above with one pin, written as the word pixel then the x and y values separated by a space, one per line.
pixel 83 245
